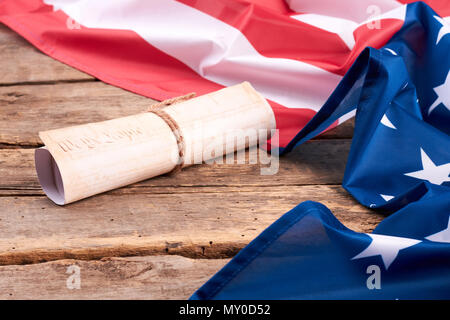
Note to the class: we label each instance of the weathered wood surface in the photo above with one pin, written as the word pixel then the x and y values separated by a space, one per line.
pixel 231 204
pixel 208 223
pixel 60 105
pixel 155 277
pixel 206 211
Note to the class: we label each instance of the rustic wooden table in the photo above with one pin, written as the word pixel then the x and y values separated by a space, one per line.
pixel 158 239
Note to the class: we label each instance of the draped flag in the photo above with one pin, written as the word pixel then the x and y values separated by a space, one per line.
pixel 399 161
pixel 294 52
pixel 310 59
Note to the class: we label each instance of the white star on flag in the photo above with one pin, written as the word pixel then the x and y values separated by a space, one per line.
pixel 445 29
pixel 387 247
pixel 385 120
pixel 387 197
pixel 443 94
pixel 391 51
pixel 441 236
pixel 431 172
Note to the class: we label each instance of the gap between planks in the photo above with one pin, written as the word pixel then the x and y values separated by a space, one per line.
pixel 48 82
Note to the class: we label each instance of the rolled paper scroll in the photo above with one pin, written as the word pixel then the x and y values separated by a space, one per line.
pixel 80 161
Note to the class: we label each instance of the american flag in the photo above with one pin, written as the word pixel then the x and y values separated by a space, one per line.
pixel 318 62
pixel 294 52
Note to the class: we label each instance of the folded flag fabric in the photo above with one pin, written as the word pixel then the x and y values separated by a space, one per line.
pixel 399 162
pixel 309 254
pixel 293 52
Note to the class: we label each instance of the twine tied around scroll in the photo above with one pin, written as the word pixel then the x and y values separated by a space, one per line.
pixel 158 109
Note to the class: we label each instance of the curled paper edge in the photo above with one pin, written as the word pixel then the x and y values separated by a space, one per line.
pixel 49 175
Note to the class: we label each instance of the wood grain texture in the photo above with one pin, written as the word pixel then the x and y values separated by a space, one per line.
pixel 209 222
pixel 151 277
pixel 22 63
pixel 26 110
pixel 230 204
pixel 147 240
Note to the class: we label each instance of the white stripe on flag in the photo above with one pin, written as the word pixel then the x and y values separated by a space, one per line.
pixel 214 49
pixel 344 28
pixel 353 10
pixel 347 116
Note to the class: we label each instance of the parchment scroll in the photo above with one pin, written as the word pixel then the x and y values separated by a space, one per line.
pixel 81 161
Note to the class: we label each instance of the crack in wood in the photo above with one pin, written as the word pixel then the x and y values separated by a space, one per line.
pixel 224 250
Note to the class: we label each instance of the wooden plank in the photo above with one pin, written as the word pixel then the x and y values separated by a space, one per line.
pixel 213 222
pixel 151 277
pixel 316 162
pixel 26 110
pixel 22 63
